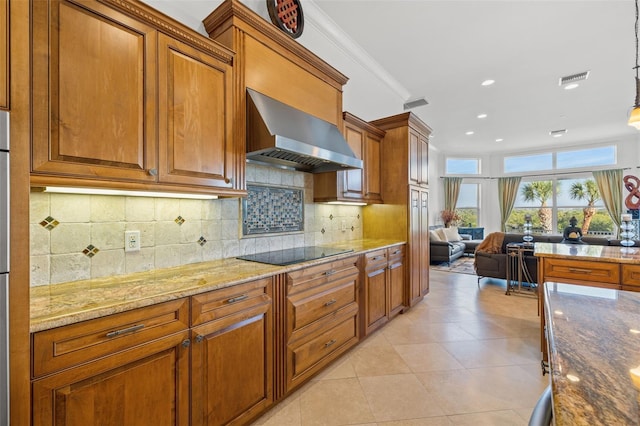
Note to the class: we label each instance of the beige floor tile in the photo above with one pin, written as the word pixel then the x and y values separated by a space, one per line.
pixel 424 332
pixel 282 415
pixel 427 421
pixel 399 397
pixel 427 357
pixel 378 361
pixel 492 418
pixel 335 402
pixel 341 369
pixel 493 352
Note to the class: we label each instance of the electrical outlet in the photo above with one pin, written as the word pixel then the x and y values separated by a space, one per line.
pixel 343 226
pixel 131 240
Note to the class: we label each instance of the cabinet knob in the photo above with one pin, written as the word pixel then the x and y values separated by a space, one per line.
pixel 227 180
pixel 153 172
pixel 199 338
pixel 186 343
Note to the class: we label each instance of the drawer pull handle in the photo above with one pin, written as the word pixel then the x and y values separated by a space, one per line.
pixel 330 302
pixel 580 271
pixel 397 252
pixel 330 343
pixel 125 330
pixel 373 259
pixel 330 272
pixel 237 299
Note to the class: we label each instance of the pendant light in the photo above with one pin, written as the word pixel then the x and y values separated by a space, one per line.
pixel 634 118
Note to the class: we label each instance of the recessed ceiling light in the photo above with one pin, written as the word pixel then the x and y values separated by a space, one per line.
pixel 571 86
pixel 470 132
pixel 499 140
pixel 488 82
pixel 482 115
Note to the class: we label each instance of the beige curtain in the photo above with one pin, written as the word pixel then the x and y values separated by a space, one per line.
pixel 451 192
pixel 507 193
pixel 610 187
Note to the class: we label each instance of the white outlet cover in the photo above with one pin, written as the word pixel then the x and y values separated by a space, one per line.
pixel 131 241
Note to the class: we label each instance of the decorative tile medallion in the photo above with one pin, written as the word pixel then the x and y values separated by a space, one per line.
pixel 271 210
pixel 179 220
pixel 202 241
pixel 91 250
pixel 49 223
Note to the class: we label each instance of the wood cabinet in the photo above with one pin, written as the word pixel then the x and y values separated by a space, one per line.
pixel 136 102
pixel 130 368
pixel 357 185
pixel 406 205
pixel 321 319
pixel 232 354
pixel 4 54
pixel 383 287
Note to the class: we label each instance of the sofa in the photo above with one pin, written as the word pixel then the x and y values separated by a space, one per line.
pixel 447 245
pixel 494 265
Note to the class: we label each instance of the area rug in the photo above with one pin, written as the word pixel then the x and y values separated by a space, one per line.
pixel 462 265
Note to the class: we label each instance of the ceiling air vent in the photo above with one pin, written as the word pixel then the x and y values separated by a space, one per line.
pixel 573 78
pixel 558 133
pixel 416 103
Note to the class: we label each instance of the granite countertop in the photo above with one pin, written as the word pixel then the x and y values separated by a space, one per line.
pixel 67 303
pixel 611 254
pixel 594 354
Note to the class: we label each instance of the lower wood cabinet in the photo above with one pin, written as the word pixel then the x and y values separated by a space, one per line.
pixel 231 356
pixel 145 382
pixel 383 287
pixel 321 319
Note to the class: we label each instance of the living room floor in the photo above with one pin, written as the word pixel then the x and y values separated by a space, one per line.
pixel 464 355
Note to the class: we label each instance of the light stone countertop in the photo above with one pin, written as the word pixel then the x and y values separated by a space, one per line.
pixel 609 254
pixel 594 354
pixel 61 304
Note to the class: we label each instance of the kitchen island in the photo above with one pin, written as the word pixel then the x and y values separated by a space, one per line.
pixel 594 354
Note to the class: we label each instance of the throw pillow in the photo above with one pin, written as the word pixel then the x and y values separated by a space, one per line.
pixel 440 232
pixel 452 234
pixel 433 236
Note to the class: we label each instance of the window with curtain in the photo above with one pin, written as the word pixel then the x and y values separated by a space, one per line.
pixel 468 206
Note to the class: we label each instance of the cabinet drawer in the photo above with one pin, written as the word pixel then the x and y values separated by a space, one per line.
pixel 308 354
pixel 75 344
pixel 396 252
pixel 217 304
pixel 316 275
pixel 631 275
pixel 376 258
pixel 598 272
pixel 321 301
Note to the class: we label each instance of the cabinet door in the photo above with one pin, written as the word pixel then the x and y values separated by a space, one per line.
pixel 94 95
pixel 424 243
pixel 372 166
pixel 414 247
pixel 353 179
pixel 4 54
pixel 414 157
pixel 396 286
pixel 145 386
pixel 195 146
pixel 376 300
pixel 232 371
pixel 423 165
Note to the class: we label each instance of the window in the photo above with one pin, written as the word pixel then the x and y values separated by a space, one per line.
pixel 462 166
pixel 468 204
pixel 601 156
pixel 552 202
pixel 528 163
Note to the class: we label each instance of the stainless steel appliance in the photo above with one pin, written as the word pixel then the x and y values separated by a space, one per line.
pixel 294 255
pixel 4 267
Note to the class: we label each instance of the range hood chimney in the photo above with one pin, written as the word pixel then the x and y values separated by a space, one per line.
pixel 282 136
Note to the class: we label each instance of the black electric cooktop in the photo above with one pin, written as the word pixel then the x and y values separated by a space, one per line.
pixel 294 255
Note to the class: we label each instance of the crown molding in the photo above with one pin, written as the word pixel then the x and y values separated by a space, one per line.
pixel 316 17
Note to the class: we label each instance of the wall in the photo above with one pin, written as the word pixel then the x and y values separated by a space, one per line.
pixel 80 224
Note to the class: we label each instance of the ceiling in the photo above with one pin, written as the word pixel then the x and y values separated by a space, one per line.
pixel 444 49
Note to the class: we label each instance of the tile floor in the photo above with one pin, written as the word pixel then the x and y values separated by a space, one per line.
pixel 462 356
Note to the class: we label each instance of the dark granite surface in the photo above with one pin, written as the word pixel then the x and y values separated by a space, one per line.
pixel 594 354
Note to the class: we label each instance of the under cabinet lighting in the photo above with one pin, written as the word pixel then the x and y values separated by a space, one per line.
pixel 126 193
pixel 346 203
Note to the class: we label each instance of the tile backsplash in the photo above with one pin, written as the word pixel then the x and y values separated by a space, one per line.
pixel 76 237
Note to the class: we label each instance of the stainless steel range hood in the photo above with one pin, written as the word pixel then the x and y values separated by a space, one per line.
pixel 282 136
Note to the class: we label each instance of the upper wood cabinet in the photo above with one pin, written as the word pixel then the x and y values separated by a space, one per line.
pixel 408 152
pixel 4 54
pixel 123 97
pixel 357 185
